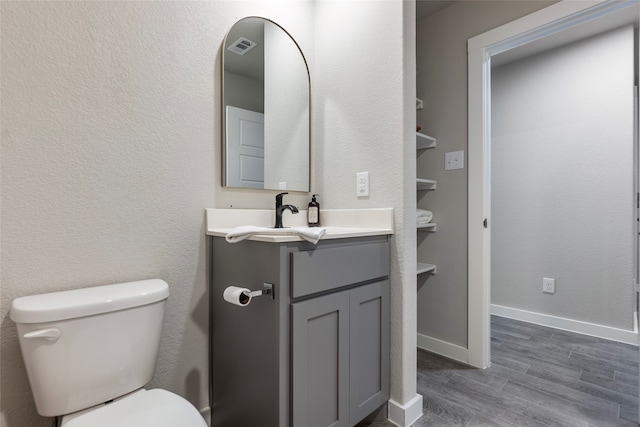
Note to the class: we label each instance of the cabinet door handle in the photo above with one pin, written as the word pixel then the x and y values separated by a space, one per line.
pixel 485 223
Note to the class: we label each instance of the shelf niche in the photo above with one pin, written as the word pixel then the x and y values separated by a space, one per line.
pixel 425 184
pixel 426 268
pixel 424 141
pixel 427 227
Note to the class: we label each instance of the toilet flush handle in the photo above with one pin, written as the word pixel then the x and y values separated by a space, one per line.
pixel 50 334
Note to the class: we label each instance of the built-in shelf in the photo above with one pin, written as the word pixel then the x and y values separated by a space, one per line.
pixel 425 184
pixel 427 227
pixel 426 268
pixel 424 141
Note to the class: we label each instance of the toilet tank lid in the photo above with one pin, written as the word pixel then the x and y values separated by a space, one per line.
pixel 81 302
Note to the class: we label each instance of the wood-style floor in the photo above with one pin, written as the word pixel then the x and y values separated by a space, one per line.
pixel 538 377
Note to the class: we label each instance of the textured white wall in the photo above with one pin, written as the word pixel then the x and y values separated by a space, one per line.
pixel 562 181
pixel 111 150
pixel 365 62
pixel 442 84
pixel 111 129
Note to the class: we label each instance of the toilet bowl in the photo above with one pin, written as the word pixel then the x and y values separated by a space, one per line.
pixel 142 408
pixel 89 353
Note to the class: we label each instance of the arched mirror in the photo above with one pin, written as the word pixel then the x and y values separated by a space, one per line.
pixel 266 108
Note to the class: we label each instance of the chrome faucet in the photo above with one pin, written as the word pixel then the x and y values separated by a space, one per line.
pixel 280 208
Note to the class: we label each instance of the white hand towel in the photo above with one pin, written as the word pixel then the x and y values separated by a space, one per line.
pixel 312 235
pixel 423 216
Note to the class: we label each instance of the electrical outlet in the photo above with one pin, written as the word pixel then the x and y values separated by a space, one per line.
pixel 454 160
pixel 362 184
pixel 548 285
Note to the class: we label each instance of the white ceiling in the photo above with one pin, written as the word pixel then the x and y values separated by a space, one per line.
pixel 251 64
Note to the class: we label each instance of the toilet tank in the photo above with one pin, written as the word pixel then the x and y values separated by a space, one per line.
pixel 86 346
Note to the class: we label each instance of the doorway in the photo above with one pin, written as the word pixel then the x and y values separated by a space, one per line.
pixel 562 168
pixel 533 31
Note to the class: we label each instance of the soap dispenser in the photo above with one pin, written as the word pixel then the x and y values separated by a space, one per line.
pixel 313 215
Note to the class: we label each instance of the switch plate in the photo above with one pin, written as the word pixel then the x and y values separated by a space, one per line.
pixel 282 185
pixel 454 160
pixel 548 285
pixel 362 184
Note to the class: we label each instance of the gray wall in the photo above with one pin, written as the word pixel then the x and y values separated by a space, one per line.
pixel 562 181
pixel 248 93
pixel 442 84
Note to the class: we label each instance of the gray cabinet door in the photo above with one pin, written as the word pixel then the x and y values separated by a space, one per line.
pixel 320 361
pixel 340 345
pixel 369 349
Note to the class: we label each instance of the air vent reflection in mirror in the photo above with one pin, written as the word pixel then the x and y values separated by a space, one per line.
pixel 242 46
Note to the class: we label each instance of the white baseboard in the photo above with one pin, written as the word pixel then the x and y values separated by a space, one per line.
pixel 577 326
pixel 405 415
pixel 443 348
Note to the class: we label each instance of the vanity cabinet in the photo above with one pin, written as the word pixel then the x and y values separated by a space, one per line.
pixel 316 352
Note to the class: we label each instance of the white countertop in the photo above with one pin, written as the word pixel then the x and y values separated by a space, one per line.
pixel 339 223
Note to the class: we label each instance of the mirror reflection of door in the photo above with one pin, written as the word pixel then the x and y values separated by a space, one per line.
pixel 245 148
pixel 265 72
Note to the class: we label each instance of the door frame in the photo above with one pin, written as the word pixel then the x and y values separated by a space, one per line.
pixel 547 21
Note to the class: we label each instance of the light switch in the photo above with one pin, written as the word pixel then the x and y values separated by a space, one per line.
pixel 454 160
pixel 362 184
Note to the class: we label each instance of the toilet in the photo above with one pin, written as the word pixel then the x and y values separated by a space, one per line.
pixel 89 352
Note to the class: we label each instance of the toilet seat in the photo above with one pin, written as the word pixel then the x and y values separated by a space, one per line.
pixel 142 408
